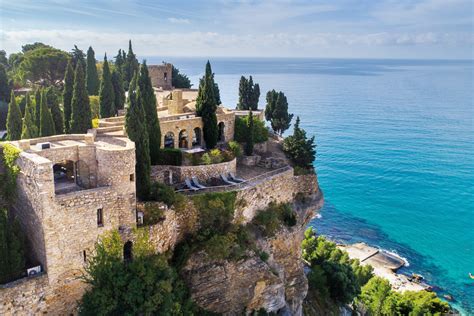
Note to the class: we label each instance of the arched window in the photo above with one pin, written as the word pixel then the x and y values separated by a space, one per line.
pixel 169 140
pixel 183 139
pixel 221 134
pixel 197 137
pixel 128 251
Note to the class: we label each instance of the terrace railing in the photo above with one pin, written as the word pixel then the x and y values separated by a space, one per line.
pixel 238 186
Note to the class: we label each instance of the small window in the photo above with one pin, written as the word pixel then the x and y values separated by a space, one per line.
pixel 132 177
pixel 100 218
pixel 166 76
pixel 84 256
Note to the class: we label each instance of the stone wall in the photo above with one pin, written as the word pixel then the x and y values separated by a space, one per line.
pixel 279 188
pixel 161 75
pixel 34 296
pixel 161 173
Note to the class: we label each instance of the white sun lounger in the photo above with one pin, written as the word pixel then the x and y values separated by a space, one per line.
pixel 224 178
pixel 234 178
pixel 196 183
pixel 189 185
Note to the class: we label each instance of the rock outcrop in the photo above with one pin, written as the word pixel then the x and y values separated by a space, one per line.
pixel 277 284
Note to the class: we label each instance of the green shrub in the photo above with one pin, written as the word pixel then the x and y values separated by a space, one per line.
pixel 271 219
pixel 215 155
pixel 170 156
pixel 260 131
pixel 162 193
pixel 235 148
pixel 153 214
pixel 227 156
pixel 206 159
pixel 219 247
pixel 263 256
pixel 94 102
pixel 299 171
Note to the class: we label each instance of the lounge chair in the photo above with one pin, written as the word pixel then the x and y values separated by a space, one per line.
pixel 196 183
pixel 224 178
pixel 189 185
pixel 234 178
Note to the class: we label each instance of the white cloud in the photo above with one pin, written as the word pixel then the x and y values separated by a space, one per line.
pixel 179 20
pixel 220 44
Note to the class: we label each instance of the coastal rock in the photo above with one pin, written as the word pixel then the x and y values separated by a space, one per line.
pixel 277 285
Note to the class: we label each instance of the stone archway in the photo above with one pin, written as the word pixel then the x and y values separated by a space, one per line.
pixel 221 133
pixel 183 139
pixel 197 137
pixel 169 140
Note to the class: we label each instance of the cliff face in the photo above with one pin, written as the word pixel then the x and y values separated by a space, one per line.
pixel 276 284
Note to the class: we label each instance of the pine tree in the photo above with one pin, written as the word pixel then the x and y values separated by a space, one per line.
pixel 249 142
pixel 131 64
pixel 119 92
pixel 148 101
pixel 92 79
pixel 14 122
pixel 67 96
pixel 37 107
pixel 29 129
pixel 81 117
pixel 135 126
pixel 4 85
pixel 78 57
pixel 107 97
pixel 298 148
pixel 46 119
pixel 206 107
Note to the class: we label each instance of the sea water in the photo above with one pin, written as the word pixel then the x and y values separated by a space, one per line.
pixel 395 152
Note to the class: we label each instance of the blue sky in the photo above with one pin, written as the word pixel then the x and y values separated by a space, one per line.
pixel 246 28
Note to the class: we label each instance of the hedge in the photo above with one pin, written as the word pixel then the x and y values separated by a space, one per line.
pixel 170 156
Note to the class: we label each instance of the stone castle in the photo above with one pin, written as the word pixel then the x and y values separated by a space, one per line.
pixel 73 188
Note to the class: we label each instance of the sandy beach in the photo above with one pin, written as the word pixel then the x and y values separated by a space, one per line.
pixel 385 265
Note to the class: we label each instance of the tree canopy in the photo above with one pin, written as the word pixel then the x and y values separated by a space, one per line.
pixel 29 129
pixel 249 142
pixel 300 149
pixel 179 80
pixel 44 65
pixel 130 65
pixel 276 112
pixel 12 249
pixel 119 92
pixel 81 117
pixel 136 128
pixel 46 127
pixel 107 95
pixel 92 79
pixel 249 94
pixel 78 57
pixel 206 106
pixel 67 96
pixel 14 122
pixel 4 85
pixel 148 101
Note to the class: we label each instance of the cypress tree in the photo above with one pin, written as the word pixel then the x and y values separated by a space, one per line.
pixel 215 87
pixel 249 142
pixel 29 129
pixel 14 122
pixel 119 92
pixel 12 249
pixel 206 107
pixel 4 85
pixel 280 118
pixel 243 94
pixel 131 64
pixel 67 95
pixel 92 79
pixel 254 94
pixel 46 119
pixel 148 101
pixel 81 117
pixel 58 117
pixel 135 125
pixel 37 107
pixel 107 98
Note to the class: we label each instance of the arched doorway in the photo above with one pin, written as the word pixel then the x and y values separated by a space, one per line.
pixel 128 251
pixel 169 140
pixel 197 137
pixel 221 134
pixel 183 139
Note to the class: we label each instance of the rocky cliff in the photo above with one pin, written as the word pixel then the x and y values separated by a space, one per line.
pixel 276 283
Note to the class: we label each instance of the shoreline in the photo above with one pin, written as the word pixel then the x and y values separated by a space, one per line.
pixel 385 265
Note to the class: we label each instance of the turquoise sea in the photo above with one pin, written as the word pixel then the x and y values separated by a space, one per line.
pixel 395 155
